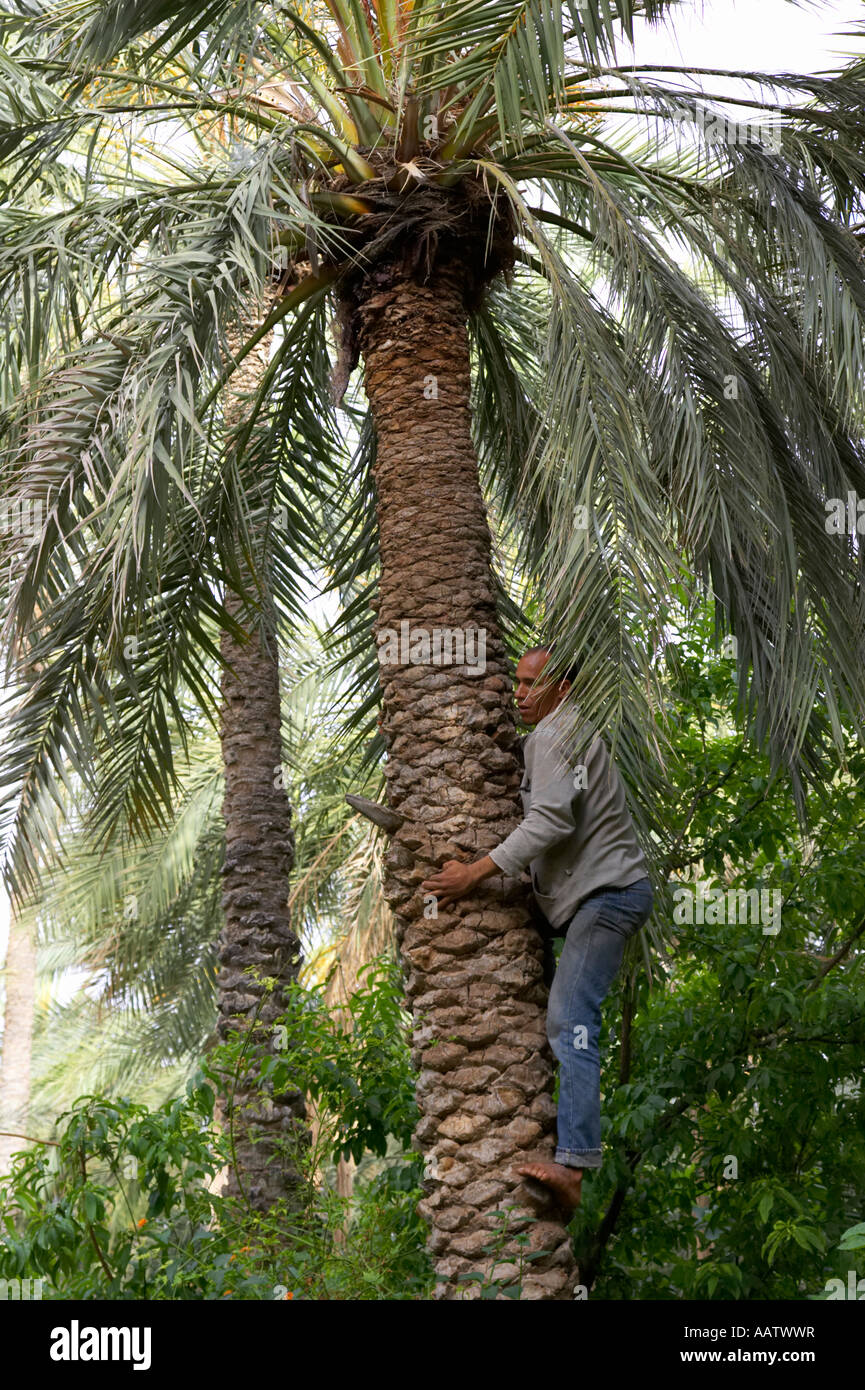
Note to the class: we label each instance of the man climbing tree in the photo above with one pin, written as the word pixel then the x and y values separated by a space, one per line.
pixel 590 882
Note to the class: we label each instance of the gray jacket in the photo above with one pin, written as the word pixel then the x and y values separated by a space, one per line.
pixel 577 834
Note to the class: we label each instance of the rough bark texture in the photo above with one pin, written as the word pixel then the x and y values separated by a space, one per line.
pixel 474 972
pixel 20 981
pixel 259 854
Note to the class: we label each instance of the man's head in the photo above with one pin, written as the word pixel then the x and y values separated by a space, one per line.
pixel 537 697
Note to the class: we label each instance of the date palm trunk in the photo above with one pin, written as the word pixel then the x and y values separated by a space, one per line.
pixel 259 952
pixel 474 972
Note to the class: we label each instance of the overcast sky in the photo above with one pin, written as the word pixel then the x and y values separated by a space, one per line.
pixel 769 35
pixel 765 35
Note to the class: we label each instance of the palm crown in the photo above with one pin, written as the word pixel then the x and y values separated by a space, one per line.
pixel 679 350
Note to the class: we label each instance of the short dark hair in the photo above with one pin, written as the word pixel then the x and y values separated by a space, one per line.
pixel 570 672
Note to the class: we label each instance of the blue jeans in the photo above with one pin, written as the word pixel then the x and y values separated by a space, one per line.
pixel 590 960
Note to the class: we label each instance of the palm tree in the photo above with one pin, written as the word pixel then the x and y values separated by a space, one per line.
pixel 259 950
pixel 640 353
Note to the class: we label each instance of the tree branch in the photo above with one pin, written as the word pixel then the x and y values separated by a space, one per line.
pixel 13 1134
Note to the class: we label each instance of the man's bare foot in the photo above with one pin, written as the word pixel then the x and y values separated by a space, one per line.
pixel 565 1183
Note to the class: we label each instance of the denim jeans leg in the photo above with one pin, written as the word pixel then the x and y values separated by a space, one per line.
pixel 590 960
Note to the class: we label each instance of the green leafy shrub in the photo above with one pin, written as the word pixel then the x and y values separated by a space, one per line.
pixel 121 1204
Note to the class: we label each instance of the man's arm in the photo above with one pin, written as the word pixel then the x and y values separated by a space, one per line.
pixel 549 820
pixel 551 816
